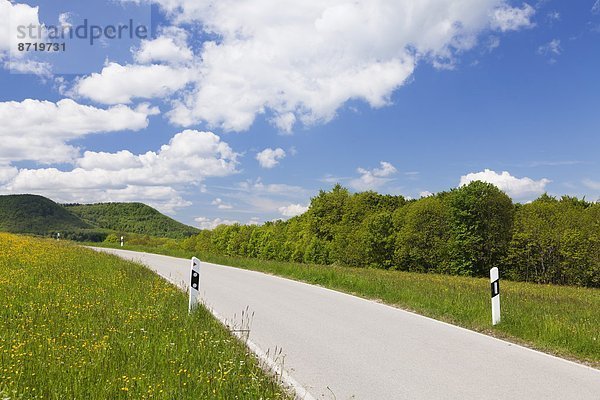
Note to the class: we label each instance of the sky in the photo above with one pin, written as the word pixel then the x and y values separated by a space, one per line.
pixel 230 111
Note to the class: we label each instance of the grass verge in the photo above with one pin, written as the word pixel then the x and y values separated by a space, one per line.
pixel 560 320
pixel 76 324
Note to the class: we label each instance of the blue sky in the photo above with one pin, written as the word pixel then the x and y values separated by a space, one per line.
pixel 240 111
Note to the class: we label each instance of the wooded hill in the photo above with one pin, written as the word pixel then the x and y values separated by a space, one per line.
pixel 465 231
pixel 38 215
pixel 132 218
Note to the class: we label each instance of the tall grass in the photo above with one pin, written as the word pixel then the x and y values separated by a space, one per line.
pixel 557 319
pixel 76 324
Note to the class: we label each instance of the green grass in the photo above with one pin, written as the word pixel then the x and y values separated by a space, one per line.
pixel 76 324
pixel 556 319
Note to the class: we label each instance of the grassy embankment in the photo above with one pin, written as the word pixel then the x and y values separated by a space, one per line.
pixel 556 319
pixel 75 324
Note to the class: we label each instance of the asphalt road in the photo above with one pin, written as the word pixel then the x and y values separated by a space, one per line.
pixel 341 347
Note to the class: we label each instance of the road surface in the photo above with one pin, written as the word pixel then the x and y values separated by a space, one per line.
pixel 338 346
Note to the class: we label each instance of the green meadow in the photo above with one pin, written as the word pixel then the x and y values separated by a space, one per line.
pixel 76 324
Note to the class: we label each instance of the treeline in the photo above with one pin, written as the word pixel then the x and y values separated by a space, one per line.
pixel 465 231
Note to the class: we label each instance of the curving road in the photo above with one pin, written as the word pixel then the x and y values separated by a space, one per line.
pixel 338 346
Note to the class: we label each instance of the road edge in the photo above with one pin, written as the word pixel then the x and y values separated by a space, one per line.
pixel 286 380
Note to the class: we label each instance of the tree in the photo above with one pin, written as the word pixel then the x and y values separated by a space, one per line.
pixel 534 249
pixel 422 242
pixel 481 227
pixel 326 212
pixel 377 236
pixel 317 252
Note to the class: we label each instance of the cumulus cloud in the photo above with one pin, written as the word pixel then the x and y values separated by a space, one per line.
pixel 596 7
pixel 301 61
pixel 7 173
pixel 293 210
pixel 375 178
pixel 221 205
pixel 42 132
pixel 210 224
pixel 13 15
pixel 506 18
pixel 109 161
pixel 122 83
pixel 425 193
pixel 269 158
pixel 189 157
pixel 170 48
pixel 517 188
pixel 153 177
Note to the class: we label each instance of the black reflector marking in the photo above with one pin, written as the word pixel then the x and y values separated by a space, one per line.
pixel 195 279
pixel 495 288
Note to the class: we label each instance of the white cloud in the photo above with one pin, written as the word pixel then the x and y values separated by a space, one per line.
pixel 153 177
pixel 256 197
pixel 221 205
pixel 210 224
pixel 170 47
pixel 506 18
pixel 375 178
pixel 301 61
pixel 517 188
pixel 43 128
pixel 426 193
pixel 25 66
pixel 14 15
pixel 293 210
pixel 7 173
pixel 332 179
pixel 596 7
pixel 285 122
pixel 253 221
pixel 108 161
pixel 269 158
pixel 118 84
pixel 259 187
pixel 64 19
pixel 552 48
pixel 189 157
pixel 493 43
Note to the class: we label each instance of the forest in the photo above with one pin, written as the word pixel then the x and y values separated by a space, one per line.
pixel 464 231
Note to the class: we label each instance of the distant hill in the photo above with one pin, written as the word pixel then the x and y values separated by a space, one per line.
pixel 41 216
pixel 131 218
pixel 37 215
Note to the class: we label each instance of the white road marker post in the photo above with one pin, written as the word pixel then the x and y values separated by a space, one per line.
pixel 495 285
pixel 122 242
pixel 58 236
pixel 194 283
